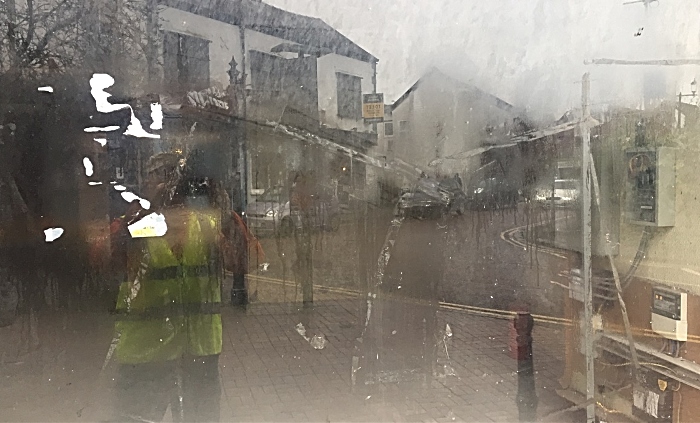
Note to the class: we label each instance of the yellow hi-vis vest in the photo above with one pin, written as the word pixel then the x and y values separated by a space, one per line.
pixel 174 309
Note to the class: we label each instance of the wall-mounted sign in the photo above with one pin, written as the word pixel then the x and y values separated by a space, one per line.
pixel 373 108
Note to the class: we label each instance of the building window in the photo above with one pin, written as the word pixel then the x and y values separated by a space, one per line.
pixel 185 62
pixel 349 96
pixel 388 129
pixel 266 71
pixel 404 127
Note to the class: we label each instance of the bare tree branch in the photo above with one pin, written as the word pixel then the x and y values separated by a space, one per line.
pixel 62 31
pixel 41 46
pixel 30 30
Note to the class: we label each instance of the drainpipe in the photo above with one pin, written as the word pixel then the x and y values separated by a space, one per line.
pixel 374 76
pixel 374 87
pixel 243 145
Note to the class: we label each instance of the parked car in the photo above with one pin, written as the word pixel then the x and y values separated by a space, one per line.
pixel 492 193
pixel 566 193
pixel 271 213
pixel 426 199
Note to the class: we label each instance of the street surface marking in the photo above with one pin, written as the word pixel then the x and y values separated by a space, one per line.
pixel 483 311
pixel 508 236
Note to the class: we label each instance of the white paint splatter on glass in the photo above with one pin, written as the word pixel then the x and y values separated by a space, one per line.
pixel 101 128
pixel 98 84
pixel 156 116
pixel 52 234
pixel 88 166
pixel 153 225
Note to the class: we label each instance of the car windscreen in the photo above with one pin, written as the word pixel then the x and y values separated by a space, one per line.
pixel 450 184
pixel 272 195
pixel 566 184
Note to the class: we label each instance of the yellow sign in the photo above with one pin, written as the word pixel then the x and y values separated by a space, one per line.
pixel 373 107
pixel 372 110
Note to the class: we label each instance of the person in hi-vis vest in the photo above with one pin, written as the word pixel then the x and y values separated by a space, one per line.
pixel 169 309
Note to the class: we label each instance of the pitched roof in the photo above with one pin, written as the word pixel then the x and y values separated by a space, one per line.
pixel 270 20
pixel 501 104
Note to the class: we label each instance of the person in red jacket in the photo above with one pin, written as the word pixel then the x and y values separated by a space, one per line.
pixel 239 240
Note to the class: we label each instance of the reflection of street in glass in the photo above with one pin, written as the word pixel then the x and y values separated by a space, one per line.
pixel 240 212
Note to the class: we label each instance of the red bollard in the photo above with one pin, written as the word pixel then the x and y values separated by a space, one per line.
pixel 520 339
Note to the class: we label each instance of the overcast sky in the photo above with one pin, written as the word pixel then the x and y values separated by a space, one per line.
pixel 528 52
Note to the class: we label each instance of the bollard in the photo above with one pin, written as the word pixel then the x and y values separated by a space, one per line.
pixel 521 350
pixel 239 290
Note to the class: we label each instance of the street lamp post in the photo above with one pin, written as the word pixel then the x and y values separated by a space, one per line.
pixel 693 90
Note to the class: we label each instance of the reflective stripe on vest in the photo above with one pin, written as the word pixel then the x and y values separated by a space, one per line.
pixel 175 309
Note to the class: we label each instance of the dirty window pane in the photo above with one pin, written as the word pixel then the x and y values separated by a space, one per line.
pixel 349 96
pixel 389 129
pixel 302 210
pixel 186 61
pixel 266 71
pixel 404 126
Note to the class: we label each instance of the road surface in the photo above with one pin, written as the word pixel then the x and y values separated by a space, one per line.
pixel 478 259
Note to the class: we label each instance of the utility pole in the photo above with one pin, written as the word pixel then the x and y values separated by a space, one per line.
pixel 586 248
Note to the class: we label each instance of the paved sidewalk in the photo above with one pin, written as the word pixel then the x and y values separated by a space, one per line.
pixel 270 372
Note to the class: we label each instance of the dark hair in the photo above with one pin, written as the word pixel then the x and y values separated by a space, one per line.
pixel 192 183
pixel 194 188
